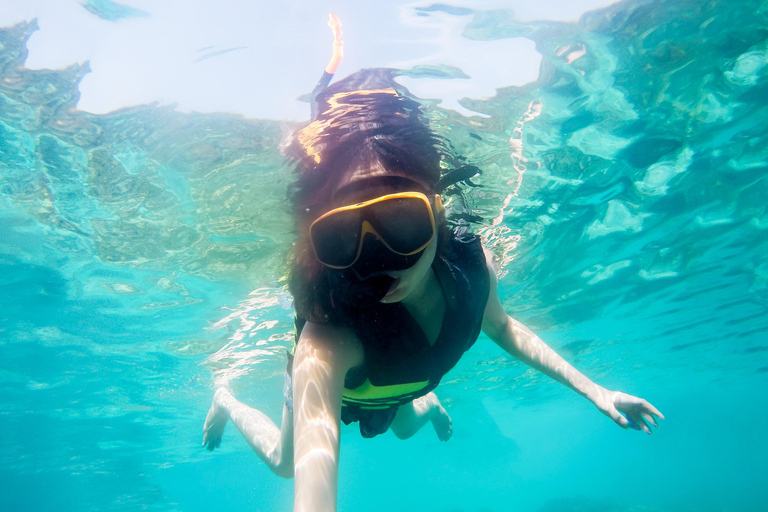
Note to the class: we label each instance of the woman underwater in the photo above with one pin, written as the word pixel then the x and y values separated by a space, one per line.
pixel 387 297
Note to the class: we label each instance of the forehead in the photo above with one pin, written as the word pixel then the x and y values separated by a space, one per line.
pixel 363 189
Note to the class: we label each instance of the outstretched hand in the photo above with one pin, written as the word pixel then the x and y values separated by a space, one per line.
pixel 338 45
pixel 335 23
pixel 215 421
pixel 628 411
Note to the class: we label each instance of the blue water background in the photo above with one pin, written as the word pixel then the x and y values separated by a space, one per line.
pixel 142 255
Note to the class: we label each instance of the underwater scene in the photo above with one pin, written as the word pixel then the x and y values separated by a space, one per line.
pixel 624 190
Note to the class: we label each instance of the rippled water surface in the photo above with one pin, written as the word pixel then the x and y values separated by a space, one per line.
pixel 626 192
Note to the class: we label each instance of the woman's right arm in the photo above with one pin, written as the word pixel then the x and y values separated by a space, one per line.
pixel 521 343
pixel 323 356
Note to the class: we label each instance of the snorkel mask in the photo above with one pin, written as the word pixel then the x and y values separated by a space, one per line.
pixel 388 233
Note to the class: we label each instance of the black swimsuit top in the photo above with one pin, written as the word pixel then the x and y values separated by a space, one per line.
pixel 400 364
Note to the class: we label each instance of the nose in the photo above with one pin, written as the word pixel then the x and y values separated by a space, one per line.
pixel 372 258
pixel 376 258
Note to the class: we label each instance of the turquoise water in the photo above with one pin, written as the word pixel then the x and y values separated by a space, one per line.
pixel 142 252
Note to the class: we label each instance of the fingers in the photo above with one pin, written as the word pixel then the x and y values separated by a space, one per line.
pixel 639 422
pixel 647 406
pixel 638 406
pixel 335 23
pixel 206 440
pixel 649 419
pixel 639 413
pixel 211 442
pixel 634 422
pixel 653 410
pixel 647 414
pixel 642 425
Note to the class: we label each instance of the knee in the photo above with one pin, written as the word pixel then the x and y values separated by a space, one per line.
pixel 402 434
pixel 402 429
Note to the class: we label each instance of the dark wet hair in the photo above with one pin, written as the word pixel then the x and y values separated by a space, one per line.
pixel 365 121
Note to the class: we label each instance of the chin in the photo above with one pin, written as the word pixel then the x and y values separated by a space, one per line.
pixel 396 296
pixel 391 300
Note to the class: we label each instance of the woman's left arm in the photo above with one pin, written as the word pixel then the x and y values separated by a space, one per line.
pixel 522 343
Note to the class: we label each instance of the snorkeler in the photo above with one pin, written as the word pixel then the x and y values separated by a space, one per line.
pixel 387 296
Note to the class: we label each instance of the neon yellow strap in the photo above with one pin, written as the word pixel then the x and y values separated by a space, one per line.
pixel 367 391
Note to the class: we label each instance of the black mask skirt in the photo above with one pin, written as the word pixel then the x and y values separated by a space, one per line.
pixel 352 292
pixel 363 285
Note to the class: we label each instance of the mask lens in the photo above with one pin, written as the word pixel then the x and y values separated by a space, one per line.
pixel 404 223
pixel 336 238
pixel 402 226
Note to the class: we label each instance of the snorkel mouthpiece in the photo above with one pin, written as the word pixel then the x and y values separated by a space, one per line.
pixel 365 284
pixel 359 293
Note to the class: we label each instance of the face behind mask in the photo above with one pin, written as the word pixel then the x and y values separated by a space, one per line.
pixel 351 291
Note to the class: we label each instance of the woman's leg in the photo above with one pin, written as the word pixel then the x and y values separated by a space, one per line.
pixel 273 445
pixel 411 417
